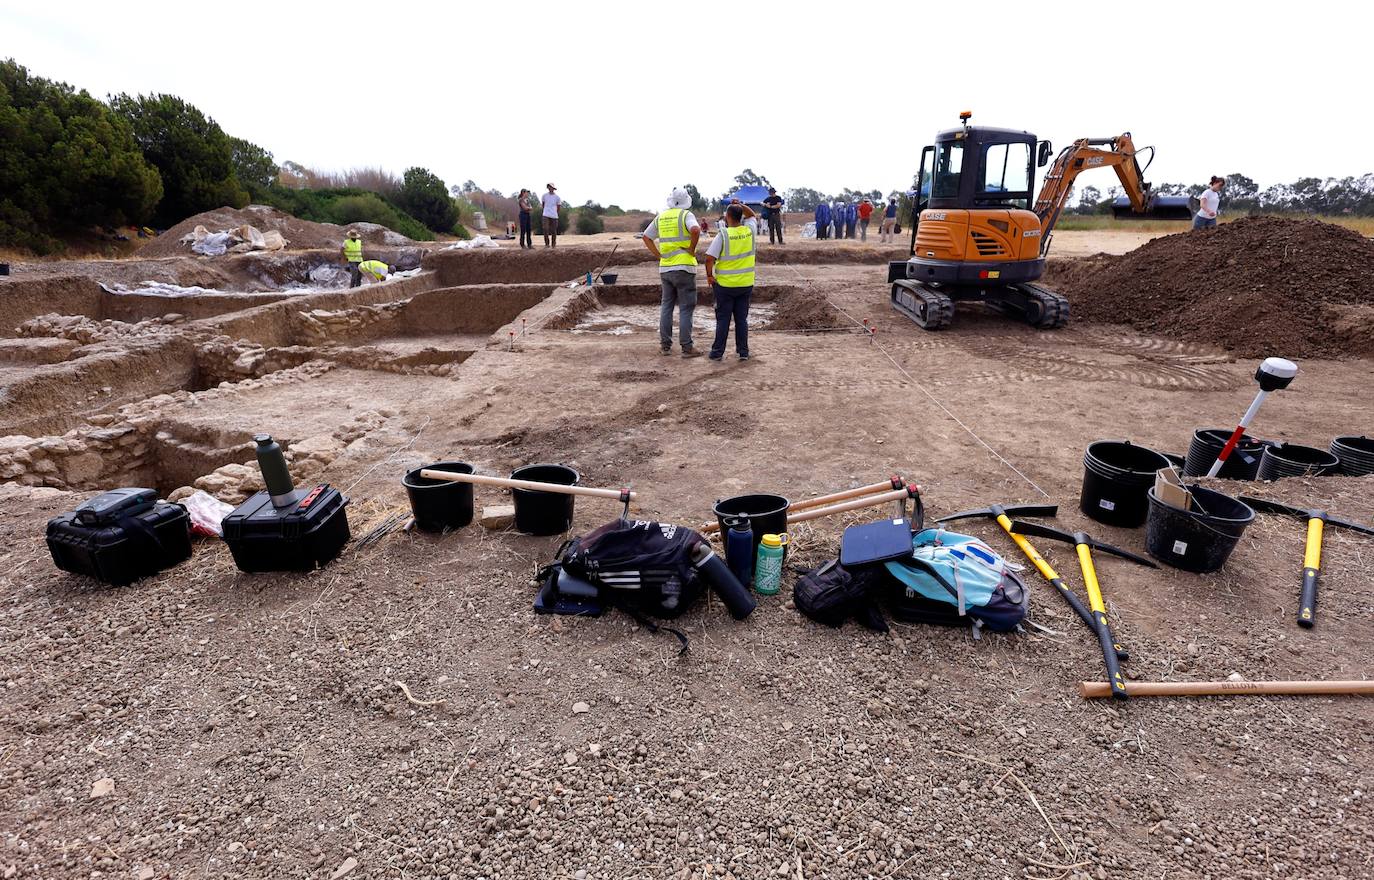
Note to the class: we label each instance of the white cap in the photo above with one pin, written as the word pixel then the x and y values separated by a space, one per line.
pixel 678 198
pixel 1279 367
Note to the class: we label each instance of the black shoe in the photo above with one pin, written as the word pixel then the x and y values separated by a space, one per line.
pixel 717 358
pixel 665 350
pixel 744 357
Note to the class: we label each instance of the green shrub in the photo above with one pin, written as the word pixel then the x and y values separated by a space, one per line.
pixel 369 208
pixel 588 223
pixel 425 197
pixel 193 155
pixel 461 231
pixel 66 163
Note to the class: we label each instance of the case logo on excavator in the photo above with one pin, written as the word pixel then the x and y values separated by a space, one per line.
pixel 1092 160
pixel 936 215
pixel 1031 233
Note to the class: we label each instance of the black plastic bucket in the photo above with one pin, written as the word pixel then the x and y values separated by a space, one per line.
pixel 439 504
pixel 767 514
pixel 1291 460
pixel 1207 445
pixel 1116 476
pixel 544 513
pixel 1198 540
pixel 1356 455
pixel 4 268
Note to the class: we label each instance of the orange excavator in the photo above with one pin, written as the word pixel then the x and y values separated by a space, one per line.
pixel 978 237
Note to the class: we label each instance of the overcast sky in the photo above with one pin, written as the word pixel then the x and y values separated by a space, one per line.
pixel 619 102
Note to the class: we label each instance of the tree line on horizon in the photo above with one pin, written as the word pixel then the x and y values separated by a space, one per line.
pixel 73 163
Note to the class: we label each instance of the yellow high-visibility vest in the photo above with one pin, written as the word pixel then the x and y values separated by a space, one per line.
pixel 375 268
pixel 735 268
pixel 675 239
pixel 353 250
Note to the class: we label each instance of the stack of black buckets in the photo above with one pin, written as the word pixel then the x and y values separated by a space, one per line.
pixel 1119 489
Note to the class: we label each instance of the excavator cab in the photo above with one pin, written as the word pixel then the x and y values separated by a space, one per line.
pixel 980 231
pixel 975 236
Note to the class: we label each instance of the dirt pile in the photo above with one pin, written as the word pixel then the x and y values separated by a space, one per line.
pixel 801 309
pixel 1257 286
pixel 299 234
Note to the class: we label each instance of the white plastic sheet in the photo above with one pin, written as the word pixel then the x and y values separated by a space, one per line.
pixel 477 241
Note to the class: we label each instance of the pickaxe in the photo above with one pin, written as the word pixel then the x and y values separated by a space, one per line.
pixel 1312 559
pixel 1085 545
pixel 1003 516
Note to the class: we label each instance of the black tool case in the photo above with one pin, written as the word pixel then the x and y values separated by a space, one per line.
pixel 299 536
pixel 120 536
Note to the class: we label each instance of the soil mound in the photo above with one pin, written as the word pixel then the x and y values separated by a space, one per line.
pixel 801 309
pixel 299 234
pixel 1256 286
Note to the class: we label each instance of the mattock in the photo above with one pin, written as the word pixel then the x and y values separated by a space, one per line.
pixel 1003 516
pixel 1085 545
pixel 1317 520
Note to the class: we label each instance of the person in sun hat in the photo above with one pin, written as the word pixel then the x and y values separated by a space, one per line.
pixel 672 237
pixel 552 203
pixel 352 251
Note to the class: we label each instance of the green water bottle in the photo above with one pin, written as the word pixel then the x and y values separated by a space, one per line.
pixel 272 463
pixel 768 565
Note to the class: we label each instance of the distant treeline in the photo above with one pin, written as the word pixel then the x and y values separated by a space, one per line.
pixel 72 163
pixel 1241 195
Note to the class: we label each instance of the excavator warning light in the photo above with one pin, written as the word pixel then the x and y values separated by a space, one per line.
pixel 966 115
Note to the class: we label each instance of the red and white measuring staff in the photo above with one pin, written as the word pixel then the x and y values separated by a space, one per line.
pixel 1273 375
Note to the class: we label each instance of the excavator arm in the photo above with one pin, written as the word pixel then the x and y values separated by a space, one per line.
pixel 1118 153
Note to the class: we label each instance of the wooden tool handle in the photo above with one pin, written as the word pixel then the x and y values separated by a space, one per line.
pixel 856 504
pixel 822 500
pixel 888 485
pixel 1227 688
pixel 508 483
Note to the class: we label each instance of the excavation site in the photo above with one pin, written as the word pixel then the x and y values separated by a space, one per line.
pixel 401 705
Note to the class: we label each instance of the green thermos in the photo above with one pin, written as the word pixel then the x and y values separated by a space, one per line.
pixel 274 473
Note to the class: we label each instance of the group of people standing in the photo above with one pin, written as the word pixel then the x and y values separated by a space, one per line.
pixel 672 237
pixel 550 203
pixel 842 220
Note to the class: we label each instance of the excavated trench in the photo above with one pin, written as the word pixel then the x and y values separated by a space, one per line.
pixel 104 385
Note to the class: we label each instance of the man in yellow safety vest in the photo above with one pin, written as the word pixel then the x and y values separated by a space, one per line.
pixel 672 237
pixel 730 272
pixel 353 256
pixel 375 270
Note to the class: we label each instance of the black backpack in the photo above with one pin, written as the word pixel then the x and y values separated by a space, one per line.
pixel 639 566
pixel 831 594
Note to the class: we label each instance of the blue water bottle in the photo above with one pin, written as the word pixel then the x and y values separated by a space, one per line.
pixel 739 549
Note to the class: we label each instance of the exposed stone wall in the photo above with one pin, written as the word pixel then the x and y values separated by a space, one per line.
pixel 319 326
pixel 221 359
pixel 124 448
pixel 83 458
pixel 89 331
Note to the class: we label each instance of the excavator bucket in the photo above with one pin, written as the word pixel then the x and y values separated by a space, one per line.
pixel 1160 208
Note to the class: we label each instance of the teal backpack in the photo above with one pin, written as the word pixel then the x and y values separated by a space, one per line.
pixel 956 580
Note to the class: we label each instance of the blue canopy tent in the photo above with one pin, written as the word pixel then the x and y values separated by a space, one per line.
pixel 752 196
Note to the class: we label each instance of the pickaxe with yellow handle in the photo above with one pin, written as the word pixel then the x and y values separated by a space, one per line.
pixel 1003 514
pixel 1317 520
pixel 1085 545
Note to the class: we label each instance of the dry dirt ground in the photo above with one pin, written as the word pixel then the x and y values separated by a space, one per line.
pixel 208 723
